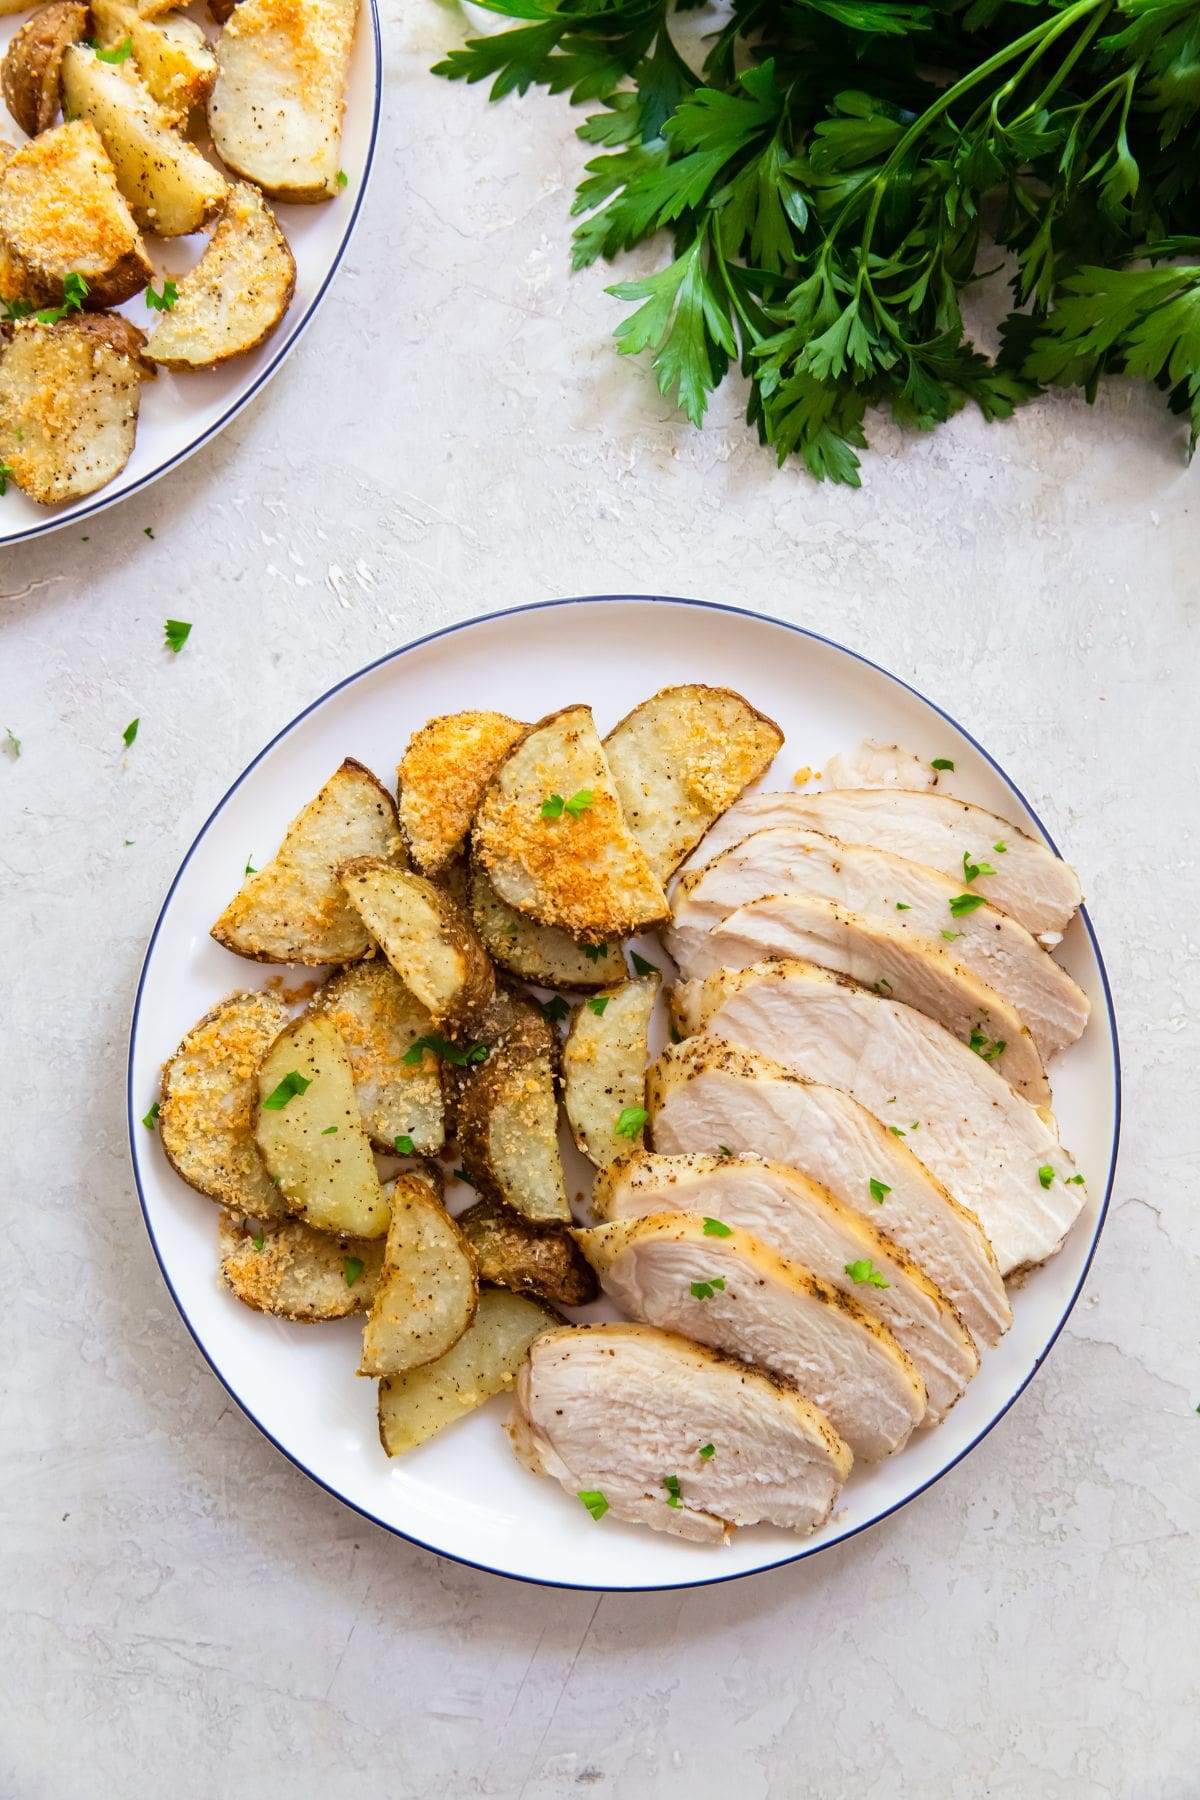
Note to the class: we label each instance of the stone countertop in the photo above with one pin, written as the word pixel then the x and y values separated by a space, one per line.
pixel 454 435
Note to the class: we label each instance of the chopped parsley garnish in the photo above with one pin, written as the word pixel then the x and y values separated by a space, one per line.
pixel 972 870
pixel 343 179
pixel 631 1121
pixel 461 1175
pixel 1074 1180
pixel 704 1290
pixel 882 986
pixel 989 1048
pixel 14 742
pixel 148 530
pixel 903 906
pixel 1045 1175
pixel 896 1131
pixel 595 1502
pixel 671 1483
pixel 593 952
pixel 555 1009
pixel 164 302
pixel 716 1228
pixel 951 936
pixel 329 1131
pixel 292 1084
pixel 724 1149
pixel 966 903
pixel 6 475
pixel 942 762
pixel 458 1054
pixel 121 53
pixel 865 1274
pixel 598 1004
pixel 150 1117
pixel 404 1145
pixel 1000 847
pixel 705 1451
pixel 75 292
pixel 249 868
pixel 641 966
pixel 353 1267
pixel 879 1190
pixel 130 731
pixel 259 1241
pixel 555 806
pixel 178 631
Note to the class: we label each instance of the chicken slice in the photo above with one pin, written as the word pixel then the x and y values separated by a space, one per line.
pixel 997 1154
pixel 804 1222
pixel 737 1294
pixel 708 1095
pixel 883 957
pixel 1027 880
pixel 668 1434
pixel 917 901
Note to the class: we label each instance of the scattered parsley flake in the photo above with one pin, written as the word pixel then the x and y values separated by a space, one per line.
pixel 991 1049
pixel 461 1175
pixel 75 292
pixel 14 742
pixel 6 475
pixel 965 903
pixel 879 1190
pixel 951 936
pixel 631 1121
pixel 119 54
pixel 896 1131
pixel 598 1005
pixel 250 868
pixel 973 870
pixel 353 1267
pixel 458 1054
pixel 130 731
pixel 942 762
pixel 404 1145
pixel 882 986
pixel 259 1241
pixel 150 1117
pixel 865 1274
pixel 552 806
pixel 707 1450
pixel 555 1009
pixel 717 1228
pixel 671 1483
pixel 579 803
pixel 1000 847
pixel 704 1290
pixel 1075 1181
pixel 1046 1175
pixel 641 966
pixel 329 1131
pixel 594 1500
pixel 593 952
pixel 164 302
pixel 149 530
pixel 343 179
pixel 903 906
pixel 724 1149
pixel 292 1084
pixel 177 632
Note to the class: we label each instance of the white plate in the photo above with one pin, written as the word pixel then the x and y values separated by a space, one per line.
pixel 181 412
pixel 463 1494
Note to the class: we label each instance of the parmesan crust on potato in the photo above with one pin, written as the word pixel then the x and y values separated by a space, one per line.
pixel 442 777
pixel 69 398
pixel 287 1268
pixel 378 1021
pixel 237 293
pixel 62 212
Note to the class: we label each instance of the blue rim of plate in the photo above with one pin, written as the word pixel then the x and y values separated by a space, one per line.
pixel 815 637
pixel 102 501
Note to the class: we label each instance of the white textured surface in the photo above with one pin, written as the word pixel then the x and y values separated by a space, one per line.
pixel 454 435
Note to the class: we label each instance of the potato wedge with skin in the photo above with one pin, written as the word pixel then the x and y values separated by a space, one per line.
pixel 508 1134
pixel 171 188
pixel 294 909
pixel 286 1268
pixel 61 213
pixel 512 1023
pixel 208 1107
pixel 311 1135
pixel 484 1362
pixel 275 112
pixel 426 936
pixel 442 776
pixel 604 1070
pixel 428 1289
pixel 68 408
pixel 171 53
pixel 378 1021
pixel 30 72
pixel 539 953
pixel 680 760
pixel 237 293
pixel 538 1260
pixel 551 835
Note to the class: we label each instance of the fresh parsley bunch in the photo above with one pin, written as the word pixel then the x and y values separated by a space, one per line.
pixel 837 171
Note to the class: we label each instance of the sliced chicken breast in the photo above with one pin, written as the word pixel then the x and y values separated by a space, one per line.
pixel 915 900
pixel 883 957
pixel 737 1294
pixel 876 765
pixel 1026 878
pixel 997 1154
pixel 804 1222
pixel 706 1094
pixel 661 1432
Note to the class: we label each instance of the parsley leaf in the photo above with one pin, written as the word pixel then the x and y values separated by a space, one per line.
pixel 164 302
pixel 864 1273
pixel 13 742
pixel 343 180
pixel 879 1190
pixel 121 53
pixel 259 1241
pixel 972 870
pixel 552 806
pixel 1046 1175
pixel 704 1290
pixel 705 1451
pixel 579 803
pixel 352 1267
pixel 6 475
pixel 461 1175
pixel 965 903
pixel 75 292
pixel 404 1145
pixel 1000 847
pixel 328 1130
pixel 249 868
pixel 1075 1181
pixel 130 731
pixel 903 906
pixel 950 936
pixel 151 1117
pixel 631 1121
pixel 671 1483
pixel 716 1228
pixel 177 632
pixel 594 1500
pixel 555 1009
pixel 598 1004
pixel 942 762
pixel 593 952
pixel 641 966
pixel 461 1055
pixel 292 1084
pixel 991 1049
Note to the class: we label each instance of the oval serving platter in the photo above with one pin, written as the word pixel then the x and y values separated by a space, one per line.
pixel 463 1494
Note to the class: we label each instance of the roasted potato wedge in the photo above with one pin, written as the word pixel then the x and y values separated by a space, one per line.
pixel 68 407
pixel 378 1021
pixel 62 212
pixel 539 1260
pixel 237 293
pixel 484 1362
pixel 681 759
pixel 275 113
pixel 295 909
pixel 428 1289
pixel 425 935
pixel 442 778
pixel 513 1023
pixel 508 1134
pixel 33 60
pixel 604 1070
pixel 209 1104
pixel 286 1268
pixel 311 1134
pixel 172 189
pixel 171 53
pixel 540 953
pixel 551 836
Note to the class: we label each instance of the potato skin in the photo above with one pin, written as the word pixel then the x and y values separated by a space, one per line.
pixel 33 60
pixel 512 1253
pixel 61 211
